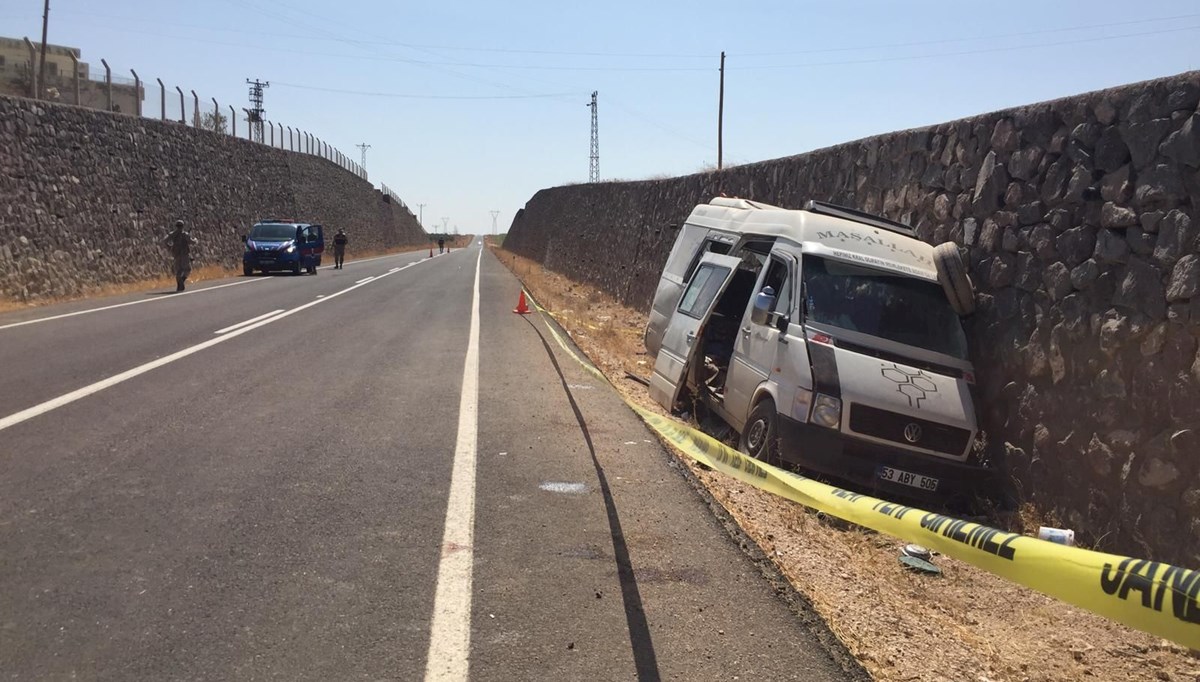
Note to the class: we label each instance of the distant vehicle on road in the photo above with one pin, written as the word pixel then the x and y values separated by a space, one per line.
pixel 283 245
pixel 827 338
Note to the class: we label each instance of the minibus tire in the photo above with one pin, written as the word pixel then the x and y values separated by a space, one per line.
pixel 765 448
pixel 247 270
pixel 952 274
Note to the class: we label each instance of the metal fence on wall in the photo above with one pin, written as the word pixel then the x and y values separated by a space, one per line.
pixel 84 86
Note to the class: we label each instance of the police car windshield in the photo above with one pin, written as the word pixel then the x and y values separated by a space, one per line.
pixel 902 309
pixel 273 231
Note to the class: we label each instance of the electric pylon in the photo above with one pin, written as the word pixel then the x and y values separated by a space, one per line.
pixel 594 165
pixel 254 115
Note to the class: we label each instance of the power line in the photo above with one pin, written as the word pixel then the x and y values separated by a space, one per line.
pixel 364 147
pixel 642 55
pixel 494 215
pixel 401 95
pixel 961 53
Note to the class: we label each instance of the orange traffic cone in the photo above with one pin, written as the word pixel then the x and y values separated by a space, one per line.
pixel 522 308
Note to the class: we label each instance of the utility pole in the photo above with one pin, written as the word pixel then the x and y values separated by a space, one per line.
pixel 721 114
pixel 421 218
pixel 445 225
pixel 594 161
pixel 494 214
pixel 254 115
pixel 364 147
pixel 40 81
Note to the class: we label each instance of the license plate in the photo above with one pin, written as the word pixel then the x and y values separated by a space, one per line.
pixel 266 260
pixel 908 478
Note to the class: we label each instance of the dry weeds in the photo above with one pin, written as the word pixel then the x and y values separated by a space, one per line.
pixel 966 625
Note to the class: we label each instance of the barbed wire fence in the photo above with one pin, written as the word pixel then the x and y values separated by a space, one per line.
pixel 75 82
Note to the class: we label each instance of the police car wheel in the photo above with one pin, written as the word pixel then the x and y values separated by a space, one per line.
pixel 760 437
pixel 247 270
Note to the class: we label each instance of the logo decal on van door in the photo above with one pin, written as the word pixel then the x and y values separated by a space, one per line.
pixel 916 386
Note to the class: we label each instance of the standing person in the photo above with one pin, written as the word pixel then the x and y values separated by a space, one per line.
pixel 180 244
pixel 340 240
pixel 441 244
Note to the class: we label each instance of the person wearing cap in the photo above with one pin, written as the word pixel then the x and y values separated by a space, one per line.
pixel 340 240
pixel 180 244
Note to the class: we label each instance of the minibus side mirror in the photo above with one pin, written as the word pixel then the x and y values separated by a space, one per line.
pixel 763 302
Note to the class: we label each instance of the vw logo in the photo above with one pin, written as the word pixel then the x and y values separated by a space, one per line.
pixel 912 433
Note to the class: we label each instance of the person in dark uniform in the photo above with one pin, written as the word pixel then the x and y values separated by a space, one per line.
pixel 340 240
pixel 180 244
pixel 441 244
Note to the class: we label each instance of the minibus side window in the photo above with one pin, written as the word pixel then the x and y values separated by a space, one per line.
pixel 709 246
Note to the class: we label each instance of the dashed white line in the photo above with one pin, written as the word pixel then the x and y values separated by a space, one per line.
pixel 365 280
pixel 450 633
pixel 249 321
pixel 129 303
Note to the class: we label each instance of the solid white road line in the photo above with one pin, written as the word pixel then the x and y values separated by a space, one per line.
pixel 249 321
pixel 122 305
pixel 66 399
pixel 450 633
pixel 364 280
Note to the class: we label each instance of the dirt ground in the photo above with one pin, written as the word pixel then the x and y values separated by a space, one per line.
pixel 966 624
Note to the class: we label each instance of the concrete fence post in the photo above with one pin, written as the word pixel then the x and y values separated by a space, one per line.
pixel 137 93
pixel 163 91
pixel 216 114
pixel 272 124
pixel 289 138
pixel 195 110
pixel 232 121
pixel 33 70
pixel 75 75
pixel 107 85
pixel 182 106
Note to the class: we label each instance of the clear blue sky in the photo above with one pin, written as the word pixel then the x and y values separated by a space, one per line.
pixel 473 106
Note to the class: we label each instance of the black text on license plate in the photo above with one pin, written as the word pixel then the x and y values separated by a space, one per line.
pixel 908 478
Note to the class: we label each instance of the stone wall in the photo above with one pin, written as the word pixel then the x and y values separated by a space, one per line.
pixel 1079 218
pixel 86 196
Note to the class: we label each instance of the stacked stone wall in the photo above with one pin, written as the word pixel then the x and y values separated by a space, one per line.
pixel 1079 219
pixel 86 196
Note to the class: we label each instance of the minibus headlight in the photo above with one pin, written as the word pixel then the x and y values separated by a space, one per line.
pixel 827 411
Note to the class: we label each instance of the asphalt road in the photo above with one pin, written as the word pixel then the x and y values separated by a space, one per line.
pixel 385 478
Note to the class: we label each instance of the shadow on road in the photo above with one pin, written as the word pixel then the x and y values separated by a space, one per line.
pixel 635 615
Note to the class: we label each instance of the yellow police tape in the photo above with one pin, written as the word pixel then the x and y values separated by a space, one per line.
pixel 1155 597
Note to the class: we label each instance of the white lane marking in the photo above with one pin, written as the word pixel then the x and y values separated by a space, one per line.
pixel 364 280
pixel 249 321
pixel 393 270
pixel 450 632
pixel 68 398
pixel 122 305
pixel 320 295
pixel 563 487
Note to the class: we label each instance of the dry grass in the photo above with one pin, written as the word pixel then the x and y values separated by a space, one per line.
pixel 200 274
pixel 965 625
